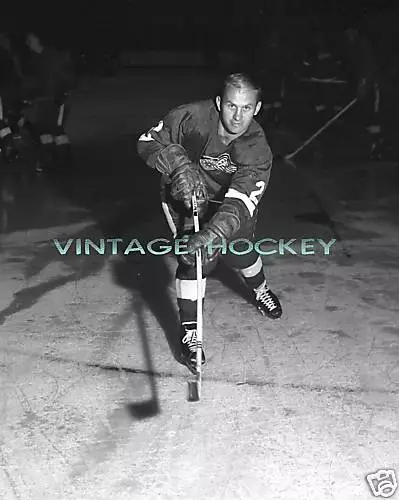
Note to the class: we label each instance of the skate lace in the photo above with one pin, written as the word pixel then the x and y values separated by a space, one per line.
pixel 191 340
pixel 265 297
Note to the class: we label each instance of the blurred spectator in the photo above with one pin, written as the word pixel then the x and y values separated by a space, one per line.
pixel 364 77
pixel 322 74
pixel 49 79
pixel 274 65
pixel 10 85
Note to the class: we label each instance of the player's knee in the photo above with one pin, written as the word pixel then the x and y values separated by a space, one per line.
pixel 185 272
pixel 240 254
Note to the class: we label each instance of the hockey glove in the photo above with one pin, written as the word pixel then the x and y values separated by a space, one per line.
pixel 186 180
pixel 185 176
pixel 213 238
pixel 208 242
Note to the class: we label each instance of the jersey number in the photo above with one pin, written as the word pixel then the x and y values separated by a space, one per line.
pixel 148 137
pixel 257 192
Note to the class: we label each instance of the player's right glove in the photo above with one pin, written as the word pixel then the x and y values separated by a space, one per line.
pixel 186 180
pixel 185 176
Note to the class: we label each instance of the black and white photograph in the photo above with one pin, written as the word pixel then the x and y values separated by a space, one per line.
pixel 199 250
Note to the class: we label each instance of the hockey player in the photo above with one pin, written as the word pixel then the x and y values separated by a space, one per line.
pixel 10 83
pixel 363 73
pixel 273 65
pixel 323 75
pixel 216 149
pixel 49 80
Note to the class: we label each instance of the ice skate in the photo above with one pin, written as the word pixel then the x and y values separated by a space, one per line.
pixel 267 302
pixel 189 345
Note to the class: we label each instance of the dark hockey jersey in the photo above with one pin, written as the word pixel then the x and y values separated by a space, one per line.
pixel 49 73
pixel 236 174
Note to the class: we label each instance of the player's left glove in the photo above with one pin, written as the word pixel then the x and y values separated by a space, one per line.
pixel 210 240
pixel 205 240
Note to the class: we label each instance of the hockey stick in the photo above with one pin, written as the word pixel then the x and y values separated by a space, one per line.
pixel 194 386
pixel 317 200
pixel 318 132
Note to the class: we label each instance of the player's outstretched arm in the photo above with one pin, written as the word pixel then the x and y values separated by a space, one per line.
pixel 161 148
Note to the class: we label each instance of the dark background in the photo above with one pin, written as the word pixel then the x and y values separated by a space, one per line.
pixel 133 24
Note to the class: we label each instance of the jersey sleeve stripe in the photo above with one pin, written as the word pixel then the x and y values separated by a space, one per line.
pixel 146 137
pixel 233 193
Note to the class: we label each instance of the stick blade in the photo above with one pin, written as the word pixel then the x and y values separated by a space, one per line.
pixel 193 391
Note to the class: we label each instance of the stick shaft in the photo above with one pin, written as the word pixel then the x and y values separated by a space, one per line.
pixel 318 132
pixel 199 294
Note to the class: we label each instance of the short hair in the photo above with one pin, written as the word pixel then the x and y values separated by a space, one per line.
pixel 242 81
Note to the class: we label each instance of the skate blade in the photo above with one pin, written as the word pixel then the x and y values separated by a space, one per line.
pixel 192 366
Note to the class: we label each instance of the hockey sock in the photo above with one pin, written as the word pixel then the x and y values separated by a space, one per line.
pixel 254 275
pixel 186 293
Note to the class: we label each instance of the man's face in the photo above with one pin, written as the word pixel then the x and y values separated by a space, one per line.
pixel 237 108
